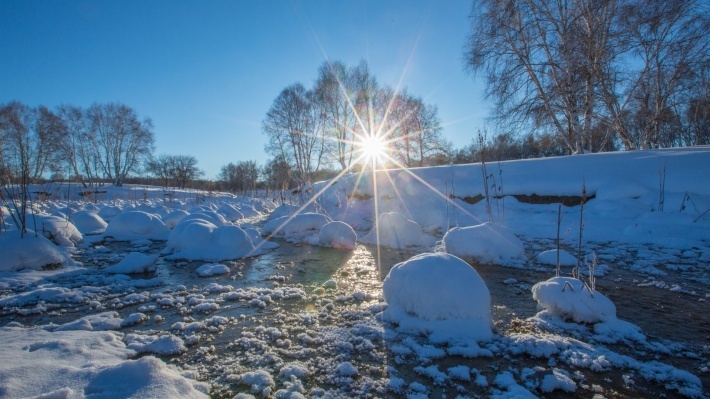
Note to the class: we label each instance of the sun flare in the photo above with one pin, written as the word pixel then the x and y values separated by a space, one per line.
pixel 373 148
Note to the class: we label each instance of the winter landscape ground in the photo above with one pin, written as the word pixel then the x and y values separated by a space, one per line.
pixel 432 282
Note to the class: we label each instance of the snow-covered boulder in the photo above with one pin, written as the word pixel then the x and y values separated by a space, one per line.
pixel 441 295
pixel 33 251
pixel 136 225
pixel 58 230
pixel 397 231
pixel 304 227
pixel 88 222
pixel 202 240
pixel 486 243
pixel 337 235
pixel 109 212
pixel 134 262
pixel 174 217
pixel 230 213
pixel 569 298
pixel 550 258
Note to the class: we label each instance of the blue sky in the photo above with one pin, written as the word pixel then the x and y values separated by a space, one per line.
pixel 207 72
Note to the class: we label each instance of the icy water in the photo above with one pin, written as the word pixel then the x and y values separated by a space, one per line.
pixel 303 314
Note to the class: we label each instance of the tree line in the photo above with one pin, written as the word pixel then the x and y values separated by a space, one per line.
pixel 105 142
pixel 632 72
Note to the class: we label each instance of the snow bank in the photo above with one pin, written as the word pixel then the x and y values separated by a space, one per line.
pixel 135 225
pixel 439 294
pixel 486 243
pixel 29 252
pixel 396 231
pixel 134 262
pixel 71 364
pixel 337 235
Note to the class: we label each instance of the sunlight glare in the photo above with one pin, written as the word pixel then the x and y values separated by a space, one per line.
pixel 373 148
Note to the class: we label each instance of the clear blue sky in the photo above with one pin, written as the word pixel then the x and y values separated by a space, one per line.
pixel 207 72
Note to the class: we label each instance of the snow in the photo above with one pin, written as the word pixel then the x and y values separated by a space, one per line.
pixel 486 243
pixel 134 262
pixel 77 363
pixel 394 230
pixel 198 239
pixel 549 257
pixel 304 227
pixel 29 251
pixel 439 294
pixel 88 222
pixel 337 235
pixel 57 229
pixel 570 298
pixel 302 321
pixel 134 225
pixel 212 269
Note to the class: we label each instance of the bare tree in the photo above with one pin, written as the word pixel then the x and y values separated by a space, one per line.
pixel 123 141
pixel 294 125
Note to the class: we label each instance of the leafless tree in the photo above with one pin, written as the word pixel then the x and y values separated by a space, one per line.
pixel 294 125
pixel 123 142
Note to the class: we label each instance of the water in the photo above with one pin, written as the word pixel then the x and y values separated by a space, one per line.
pixel 327 325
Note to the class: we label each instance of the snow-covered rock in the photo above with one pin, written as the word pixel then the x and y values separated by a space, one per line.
pixel 59 230
pixel 31 251
pixel 550 258
pixel 394 230
pixel 134 262
pixel 439 294
pixel 569 298
pixel 486 243
pixel 337 235
pixel 135 225
pixel 304 227
pixel 197 239
pixel 88 222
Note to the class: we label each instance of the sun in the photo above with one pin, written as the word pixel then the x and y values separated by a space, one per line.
pixel 373 148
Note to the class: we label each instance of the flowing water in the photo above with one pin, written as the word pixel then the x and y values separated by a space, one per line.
pixel 331 319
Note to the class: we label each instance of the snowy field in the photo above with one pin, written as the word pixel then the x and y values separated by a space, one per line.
pixel 427 283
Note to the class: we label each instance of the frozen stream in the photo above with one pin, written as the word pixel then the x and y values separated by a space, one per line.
pixel 305 317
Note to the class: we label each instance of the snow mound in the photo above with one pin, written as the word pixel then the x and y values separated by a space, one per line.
pixel 570 299
pixel 397 231
pixel 198 239
pixel 57 229
pixel 337 235
pixel 174 217
pixel 486 243
pixel 134 262
pixel 135 225
pixel 230 212
pixel 29 252
pixel 304 227
pixel 440 294
pixel 88 222
pixel 550 258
